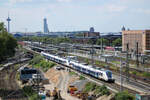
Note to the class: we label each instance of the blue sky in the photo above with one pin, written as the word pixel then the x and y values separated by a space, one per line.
pixel 74 15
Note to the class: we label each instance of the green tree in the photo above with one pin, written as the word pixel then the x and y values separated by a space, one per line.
pixel 123 96
pixel 7 43
pixel 117 42
pixel 104 41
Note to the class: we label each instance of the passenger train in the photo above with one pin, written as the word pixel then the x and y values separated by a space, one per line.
pixel 102 74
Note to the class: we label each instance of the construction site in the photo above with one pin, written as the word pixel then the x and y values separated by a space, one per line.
pixel 67 85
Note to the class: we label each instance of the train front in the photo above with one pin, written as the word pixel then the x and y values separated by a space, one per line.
pixel 109 76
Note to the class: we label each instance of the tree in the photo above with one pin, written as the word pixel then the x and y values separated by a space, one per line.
pixel 104 41
pixel 7 43
pixel 117 42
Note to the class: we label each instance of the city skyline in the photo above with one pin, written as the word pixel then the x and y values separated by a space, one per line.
pixel 75 15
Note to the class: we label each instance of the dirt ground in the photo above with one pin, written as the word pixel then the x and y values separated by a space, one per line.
pixel 59 79
pixel 105 97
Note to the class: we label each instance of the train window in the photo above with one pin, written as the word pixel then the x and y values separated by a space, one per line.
pixel 83 69
pixel 101 74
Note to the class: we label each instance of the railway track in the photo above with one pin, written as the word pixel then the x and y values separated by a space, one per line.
pixel 112 86
pixel 9 88
pixel 115 86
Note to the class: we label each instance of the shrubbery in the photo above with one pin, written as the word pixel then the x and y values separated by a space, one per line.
pixel 82 77
pixel 89 87
pixel 36 60
pixel 28 91
pixel 45 65
pixel 146 74
pixel 123 96
pixel 40 62
pixel 102 90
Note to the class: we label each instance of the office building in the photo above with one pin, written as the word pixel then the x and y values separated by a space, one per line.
pixel 46 30
pixel 136 38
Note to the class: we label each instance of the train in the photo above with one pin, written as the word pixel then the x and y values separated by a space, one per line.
pixel 96 72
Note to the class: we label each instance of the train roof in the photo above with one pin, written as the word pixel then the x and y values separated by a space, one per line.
pixel 90 67
pixel 54 56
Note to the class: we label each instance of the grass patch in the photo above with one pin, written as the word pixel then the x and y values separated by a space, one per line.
pixel 102 90
pixel 72 73
pixel 82 77
pixel 17 76
pixel 90 86
pixel 115 62
pixel 40 62
pixel 123 96
pixel 44 65
pixel 146 74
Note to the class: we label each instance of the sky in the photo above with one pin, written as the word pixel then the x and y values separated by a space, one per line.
pixel 76 15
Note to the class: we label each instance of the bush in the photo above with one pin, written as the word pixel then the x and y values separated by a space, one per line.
pixel 87 60
pixel 72 73
pixel 102 90
pixel 123 96
pixel 28 91
pixel 89 87
pixel 146 74
pixel 45 65
pixel 36 60
pixel 82 77
pixel 134 72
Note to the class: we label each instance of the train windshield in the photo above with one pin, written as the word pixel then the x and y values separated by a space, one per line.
pixel 109 74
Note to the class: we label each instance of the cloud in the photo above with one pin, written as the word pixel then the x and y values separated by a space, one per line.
pixel 11 2
pixel 141 10
pixel 64 0
pixel 115 8
pixel 112 8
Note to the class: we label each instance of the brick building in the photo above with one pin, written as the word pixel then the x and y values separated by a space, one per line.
pixel 132 37
pixel 91 34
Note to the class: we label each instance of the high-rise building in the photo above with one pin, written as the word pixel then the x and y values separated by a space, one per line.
pixel 136 38
pixel 46 30
pixel 91 29
pixel 8 20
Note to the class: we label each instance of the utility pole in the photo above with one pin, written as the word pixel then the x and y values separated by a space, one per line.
pixel 127 62
pixel 121 78
pixel 137 57
pixel 101 45
pixel 92 52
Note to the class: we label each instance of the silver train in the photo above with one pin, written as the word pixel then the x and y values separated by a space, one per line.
pixel 96 72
